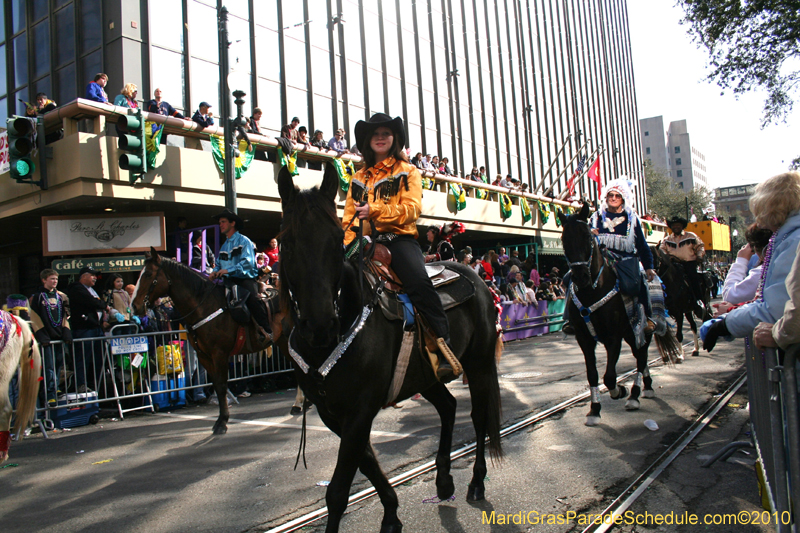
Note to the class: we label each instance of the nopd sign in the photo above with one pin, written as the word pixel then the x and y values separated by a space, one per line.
pixel 128 263
pixel 73 235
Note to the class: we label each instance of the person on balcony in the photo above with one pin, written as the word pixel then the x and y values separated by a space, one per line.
pixel 127 97
pixel 95 91
pixel 204 116
pixel 162 107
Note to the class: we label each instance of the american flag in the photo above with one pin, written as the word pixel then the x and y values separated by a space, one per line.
pixel 571 181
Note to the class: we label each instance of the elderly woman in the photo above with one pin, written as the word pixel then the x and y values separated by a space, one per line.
pixel 740 285
pixel 776 206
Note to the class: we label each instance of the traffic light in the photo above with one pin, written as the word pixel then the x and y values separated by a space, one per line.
pixel 20 145
pixel 132 141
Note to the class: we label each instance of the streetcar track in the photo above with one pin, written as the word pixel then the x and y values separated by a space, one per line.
pixel 318 514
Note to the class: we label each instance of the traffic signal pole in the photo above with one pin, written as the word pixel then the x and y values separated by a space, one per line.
pixel 225 104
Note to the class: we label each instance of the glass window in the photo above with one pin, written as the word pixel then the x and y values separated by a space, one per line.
pixel 680 185
pixel 375 88
pixel 60 3
pixel 292 11
pixel 3 85
pixel 410 57
pixel 17 107
pixel 394 87
pixel 444 114
pixel 239 51
pixel 297 104
pixel 677 160
pixel 391 50
pixel 269 97
pixel 162 24
pixel 429 111
pixel 66 89
pixel 677 149
pixel 355 84
pixel 65 35
pixel 647 150
pixel 91 65
pixel 414 140
pixel 318 25
pixel 373 39
pixel 352 37
pixel 41 48
pixel 390 15
pixel 21 60
pixel 426 70
pixel 680 174
pixel 422 20
pixel 203 32
pixel 412 104
pixel 323 116
pixel 205 83
pixel 296 74
pixel 42 86
pixel 267 62
pixel 647 134
pixel 2 26
pixel 240 8
pixel 3 107
pixel 92 25
pixel 167 68
pixel 40 9
pixel 321 71
pixel 18 15
pixel 265 13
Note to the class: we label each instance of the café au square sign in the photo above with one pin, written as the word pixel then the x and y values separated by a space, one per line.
pixel 82 234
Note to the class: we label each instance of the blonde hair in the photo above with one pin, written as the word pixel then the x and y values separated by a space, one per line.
pixel 775 199
pixel 128 90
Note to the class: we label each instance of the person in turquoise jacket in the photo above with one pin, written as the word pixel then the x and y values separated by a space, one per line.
pixel 236 264
pixel 775 204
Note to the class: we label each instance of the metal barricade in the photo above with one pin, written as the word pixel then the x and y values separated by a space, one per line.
pixel 129 370
pixel 775 421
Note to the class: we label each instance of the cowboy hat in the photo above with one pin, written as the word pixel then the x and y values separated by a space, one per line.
pixel 365 128
pixel 233 217
pixel 678 220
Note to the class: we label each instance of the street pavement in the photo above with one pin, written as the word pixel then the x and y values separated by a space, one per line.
pixel 167 473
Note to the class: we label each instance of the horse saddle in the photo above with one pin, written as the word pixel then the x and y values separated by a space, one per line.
pixel 236 300
pixel 452 288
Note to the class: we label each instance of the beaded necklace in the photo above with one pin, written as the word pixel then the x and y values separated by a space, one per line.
pixel 54 307
pixel 765 267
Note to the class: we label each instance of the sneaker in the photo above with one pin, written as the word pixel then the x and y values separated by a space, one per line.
pixel 212 400
pixel 245 394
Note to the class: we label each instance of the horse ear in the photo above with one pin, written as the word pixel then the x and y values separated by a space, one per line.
pixel 286 186
pixel 330 182
pixel 561 216
pixel 154 255
pixel 584 212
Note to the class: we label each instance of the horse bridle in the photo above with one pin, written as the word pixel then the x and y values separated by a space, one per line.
pixel 588 262
pixel 169 283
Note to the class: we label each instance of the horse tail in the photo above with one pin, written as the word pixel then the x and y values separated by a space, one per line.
pixel 669 347
pixel 31 363
pixel 494 411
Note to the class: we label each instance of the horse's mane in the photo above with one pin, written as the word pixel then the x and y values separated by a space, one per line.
pixel 300 217
pixel 196 282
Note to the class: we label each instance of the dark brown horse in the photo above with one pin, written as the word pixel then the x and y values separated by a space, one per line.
pixel 200 306
pixel 345 354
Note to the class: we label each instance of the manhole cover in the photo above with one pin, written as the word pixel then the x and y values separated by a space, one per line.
pixel 521 375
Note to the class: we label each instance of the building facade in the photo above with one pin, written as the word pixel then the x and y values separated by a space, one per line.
pixel 734 202
pixel 672 151
pixel 500 84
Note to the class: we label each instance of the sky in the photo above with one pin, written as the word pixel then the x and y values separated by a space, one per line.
pixel 670 71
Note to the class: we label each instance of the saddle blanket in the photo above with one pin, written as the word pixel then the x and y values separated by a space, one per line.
pixel 453 291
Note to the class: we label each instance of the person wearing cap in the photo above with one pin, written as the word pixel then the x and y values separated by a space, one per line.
pixel 88 319
pixel 203 115
pixel 236 264
pixel 687 248
pixel 393 203
pixel 441 247
pixel 619 230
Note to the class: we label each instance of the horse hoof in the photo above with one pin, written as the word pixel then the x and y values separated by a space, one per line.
pixel 695 353
pixel 592 420
pixel 475 494
pixel 295 410
pixel 446 490
pixel 220 430
pixel 632 405
pixel 392 528
pixel 622 392
pixel 649 393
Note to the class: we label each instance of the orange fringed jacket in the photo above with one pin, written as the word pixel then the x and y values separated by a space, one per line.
pixel 394 192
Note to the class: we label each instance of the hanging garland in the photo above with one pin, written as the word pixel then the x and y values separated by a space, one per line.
pixel 525 208
pixel 559 214
pixel 459 196
pixel 505 206
pixel 346 171
pixel 240 163
pixel 648 229
pixel 544 212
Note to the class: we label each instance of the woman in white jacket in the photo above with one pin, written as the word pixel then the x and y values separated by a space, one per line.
pixel 741 285
pixel 776 206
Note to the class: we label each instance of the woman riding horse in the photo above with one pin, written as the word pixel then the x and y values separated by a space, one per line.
pixel 619 230
pixel 390 196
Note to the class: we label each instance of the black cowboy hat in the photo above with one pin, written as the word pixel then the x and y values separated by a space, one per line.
pixel 364 129
pixel 678 220
pixel 233 217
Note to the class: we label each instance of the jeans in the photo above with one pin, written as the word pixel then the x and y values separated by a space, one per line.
pixel 88 356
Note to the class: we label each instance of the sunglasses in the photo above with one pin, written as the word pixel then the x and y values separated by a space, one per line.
pixel 614 195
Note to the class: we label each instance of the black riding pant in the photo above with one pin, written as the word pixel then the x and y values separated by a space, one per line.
pixel 254 304
pixel 409 265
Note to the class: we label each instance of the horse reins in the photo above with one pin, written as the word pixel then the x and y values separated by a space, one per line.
pixel 588 262
pixel 181 318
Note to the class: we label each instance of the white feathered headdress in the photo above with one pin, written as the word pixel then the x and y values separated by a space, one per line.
pixel 624 187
